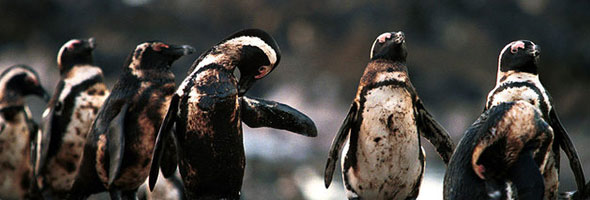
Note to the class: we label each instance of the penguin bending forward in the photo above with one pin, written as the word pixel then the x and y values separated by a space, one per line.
pixel 119 146
pixel 518 79
pixel 79 95
pixel 503 155
pixel 17 131
pixel 207 112
pixel 383 156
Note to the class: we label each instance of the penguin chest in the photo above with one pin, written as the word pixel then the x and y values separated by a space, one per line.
pixel 63 168
pixel 14 158
pixel 213 153
pixel 387 150
pixel 146 118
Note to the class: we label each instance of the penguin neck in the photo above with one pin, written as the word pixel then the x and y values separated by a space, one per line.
pixel 227 60
pixel 515 76
pixel 66 64
pixel 10 98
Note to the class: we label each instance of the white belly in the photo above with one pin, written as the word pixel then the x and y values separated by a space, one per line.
pixel 388 165
pixel 14 158
pixel 64 166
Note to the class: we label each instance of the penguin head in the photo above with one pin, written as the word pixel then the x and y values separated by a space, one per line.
pixel 75 52
pixel 390 46
pixel 259 54
pixel 520 56
pixel 156 55
pixel 22 80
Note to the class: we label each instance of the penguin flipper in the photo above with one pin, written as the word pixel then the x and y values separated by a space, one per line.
pixel 434 133
pixel 116 143
pixel 338 143
pixel 43 142
pixel 161 139
pixel 565 142
pixel 169 159
pixel 257 112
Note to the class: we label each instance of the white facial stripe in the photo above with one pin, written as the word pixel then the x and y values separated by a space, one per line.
pixel 206 61
pixel 62 49
pixel 77 75
pixel 255 41
pixel 135 60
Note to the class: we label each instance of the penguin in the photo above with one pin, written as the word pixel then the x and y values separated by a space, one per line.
pixel 17 130
pixel 79 95
pixel 518 79
pixel 206 113
pixel 502 155
pixel 117 153
pixel 254 112
pixel 383 156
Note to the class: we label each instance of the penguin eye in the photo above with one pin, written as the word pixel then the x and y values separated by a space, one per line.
pixel 159 46
pixel 263 71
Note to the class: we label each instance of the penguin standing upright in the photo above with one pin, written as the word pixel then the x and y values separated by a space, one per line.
pixel 17 130
pixel 119 146
pixel 503 155
pixel 206 110
pixel 383 157
pixel 67 120
pixel 518 79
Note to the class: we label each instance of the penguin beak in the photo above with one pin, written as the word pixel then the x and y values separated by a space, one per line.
pixel 41 92
pixel 91 43
pixel 244 84
pixel 399 37
pixel 535 51
pixel 181 50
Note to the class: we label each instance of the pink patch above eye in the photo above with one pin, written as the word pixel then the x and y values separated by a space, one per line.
pixel 71 44
pixel 383 37
pixel 158 47
pixel 517 45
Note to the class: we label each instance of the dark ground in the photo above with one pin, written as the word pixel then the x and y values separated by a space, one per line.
pixel 453 48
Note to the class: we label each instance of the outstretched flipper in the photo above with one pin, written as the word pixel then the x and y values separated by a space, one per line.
pixel 116 143
pixel 565 142
pixel 161 140
pixel 338 143
pixel 257 112
pixel 435 133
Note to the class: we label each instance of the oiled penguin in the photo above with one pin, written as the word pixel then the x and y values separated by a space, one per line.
pixel 119 146
pixel 383 157
pixel 206 111
pixel 518 79
pixel 79 95
pixel 503 155
pixel 17 131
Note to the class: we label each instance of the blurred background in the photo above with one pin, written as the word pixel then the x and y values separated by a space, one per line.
pixel 453 51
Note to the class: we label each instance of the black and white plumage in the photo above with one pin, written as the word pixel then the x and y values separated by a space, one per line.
pixel 207 112
pixel 119 146
pixel 79 95
pixel 518 79
pixel 503 155
pixel 17 131
pixel 383 158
